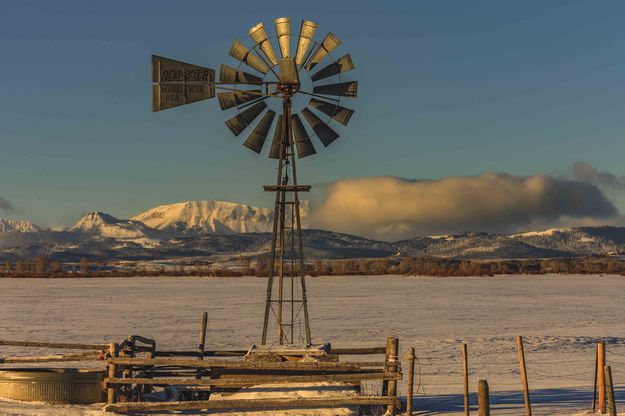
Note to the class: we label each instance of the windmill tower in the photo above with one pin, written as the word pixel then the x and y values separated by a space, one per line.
pixel 286 87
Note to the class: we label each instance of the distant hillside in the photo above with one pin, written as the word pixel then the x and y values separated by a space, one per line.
pixel 200 229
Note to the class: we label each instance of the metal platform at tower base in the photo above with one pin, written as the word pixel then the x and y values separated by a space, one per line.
pixel 319 352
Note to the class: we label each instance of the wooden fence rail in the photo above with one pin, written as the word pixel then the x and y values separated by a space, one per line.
pixel 309 402
pixel 308 365
pixel 57 345
pixel 256 379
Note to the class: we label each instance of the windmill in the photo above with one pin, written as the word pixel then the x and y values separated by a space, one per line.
pixel 273 96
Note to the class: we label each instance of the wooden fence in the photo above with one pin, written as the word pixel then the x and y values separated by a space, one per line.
pixel 129 376
pixel 135 367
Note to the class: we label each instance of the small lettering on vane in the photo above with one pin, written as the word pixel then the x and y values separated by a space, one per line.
pixel 181 75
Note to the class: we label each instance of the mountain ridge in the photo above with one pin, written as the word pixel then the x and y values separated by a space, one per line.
pixel 197 229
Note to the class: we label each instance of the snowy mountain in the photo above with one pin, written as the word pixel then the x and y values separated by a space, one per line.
pixel 218 217
pixel 17 226
pixel 197 229
pixel 99 224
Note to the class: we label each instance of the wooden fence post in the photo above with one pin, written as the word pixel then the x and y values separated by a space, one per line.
pixel 149 369
pixel 610 388
pixel 465 377
pixel 410 391
pixel 483 398
pixel 200 348
pixel 128 351
pixel 594 386
pixel 601 375
pixel 112 388
pixel 392 384
pixel 526 390
pixel 389 340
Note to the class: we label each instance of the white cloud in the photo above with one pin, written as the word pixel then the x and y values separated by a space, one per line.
pixel 394 208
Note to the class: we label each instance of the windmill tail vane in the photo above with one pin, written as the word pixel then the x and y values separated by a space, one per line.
pixel 273 91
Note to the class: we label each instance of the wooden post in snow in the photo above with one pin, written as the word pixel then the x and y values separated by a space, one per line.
pixel 392 367
pixel 112 388
pixel 610 389
pixel 386 368
pixel 526 391
pixel 483 398
pixel 465 378
pixel 200 348
pixel 594 386
pixel 601 376
pixel 410 391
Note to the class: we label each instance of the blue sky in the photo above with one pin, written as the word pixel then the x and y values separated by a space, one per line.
pixel 446 88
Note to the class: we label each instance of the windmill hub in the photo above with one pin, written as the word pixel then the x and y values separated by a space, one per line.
pixel 286 87
pixel 288 77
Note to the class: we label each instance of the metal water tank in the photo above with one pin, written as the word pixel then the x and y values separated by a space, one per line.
pixel 52 385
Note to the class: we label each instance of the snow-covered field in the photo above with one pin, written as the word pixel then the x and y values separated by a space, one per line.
pixel 560 316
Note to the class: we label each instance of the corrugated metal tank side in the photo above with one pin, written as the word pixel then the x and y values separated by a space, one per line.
pixel 52 385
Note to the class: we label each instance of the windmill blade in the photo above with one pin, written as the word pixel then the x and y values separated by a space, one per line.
pixel 344 89
pixel 343 64
pixel 236 98
pixel 323 131
pixel 306 33
pixel 283 32
pixel 302 141
pixel 338 113
pixel 239 122
pixel 260 38
pixel 256 139
pixel 239 52
pixel 230 74
pixel 327 45
pixel 178 83
pixel 274 152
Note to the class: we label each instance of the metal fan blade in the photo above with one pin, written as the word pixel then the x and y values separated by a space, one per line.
pixel 239 122
pixel 259 36
pixel 328 44
pixel 323 131
pixel 240 52
pixel 338 113
pixel 301 139
pixel 178 83
pixel 345 89
pixel 306 33
pixel 256 139
pixel 235 98
pixel 283 32
pixel 343 64
pixel 274 152
pixel 230 74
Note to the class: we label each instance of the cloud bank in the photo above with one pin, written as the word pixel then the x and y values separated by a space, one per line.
pixel 6 205
pixel 393 208
pixel 584 172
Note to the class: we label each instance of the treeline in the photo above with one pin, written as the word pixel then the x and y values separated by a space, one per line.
pixel 260 266
pixel 434 266
pixel 44 268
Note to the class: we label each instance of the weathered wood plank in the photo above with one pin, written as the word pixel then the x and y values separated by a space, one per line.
pixel 51 358
pixel 309 402
pixel 358 351
pixel 175 362
pixel 207 353
pixel 242 353
pixel 252 380
pixel 60 345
